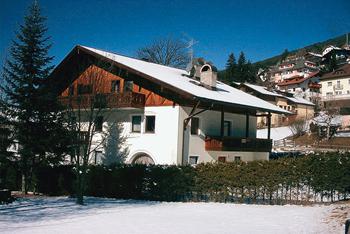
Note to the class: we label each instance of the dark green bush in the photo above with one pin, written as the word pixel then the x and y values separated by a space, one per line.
pixel 312 178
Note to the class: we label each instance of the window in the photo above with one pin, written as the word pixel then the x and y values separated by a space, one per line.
pixel 222 159
pixel 84 89
pixel 71 90
pixel 348 81
pixel 136 123
pixel 98 157
pixel 227 128
pixel 98 123
pixel 194 126
pixel 329 84
pixel 237 158
pixel 150 123
pixel 128 86
pixel 193 160
pixel 115 86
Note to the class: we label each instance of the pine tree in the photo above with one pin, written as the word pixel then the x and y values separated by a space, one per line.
pixel 31 109
pixel 284 55
pixel 230 70
pixel 240 74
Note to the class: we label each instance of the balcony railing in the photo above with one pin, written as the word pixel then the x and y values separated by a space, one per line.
pixel 338 87
pixel 115 100
pixel 335 97
pixel 217 143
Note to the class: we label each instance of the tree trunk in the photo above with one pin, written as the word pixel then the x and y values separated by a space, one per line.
pixel 24 183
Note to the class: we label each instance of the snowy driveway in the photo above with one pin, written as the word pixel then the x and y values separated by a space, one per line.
pixel 61 215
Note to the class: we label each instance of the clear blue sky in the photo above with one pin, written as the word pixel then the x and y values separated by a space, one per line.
pixel 259 28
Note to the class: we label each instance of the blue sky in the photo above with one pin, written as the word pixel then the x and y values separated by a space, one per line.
pixel 259 28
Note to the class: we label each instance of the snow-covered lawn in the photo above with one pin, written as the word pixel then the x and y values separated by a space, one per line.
pixel 276 133
pixel 62 215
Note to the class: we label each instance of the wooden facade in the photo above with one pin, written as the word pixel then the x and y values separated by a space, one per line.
pixel 113 89
pixel 215 143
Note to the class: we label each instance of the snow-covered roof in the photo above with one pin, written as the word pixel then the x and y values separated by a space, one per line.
pixel 323 119
pixel 329 49
pixel 179 79
pixel 262 90
pixel 299 100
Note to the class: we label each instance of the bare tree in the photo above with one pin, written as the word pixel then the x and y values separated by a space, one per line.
pixel 86 113
pixel 166 51
pixel 298 127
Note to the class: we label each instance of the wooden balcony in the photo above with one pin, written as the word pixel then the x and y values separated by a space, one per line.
pixel 217 143
pixel 109 100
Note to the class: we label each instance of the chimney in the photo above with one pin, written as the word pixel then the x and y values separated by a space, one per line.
pixel 208 76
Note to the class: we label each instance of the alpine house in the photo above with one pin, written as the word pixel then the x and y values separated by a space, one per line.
pixel 169 115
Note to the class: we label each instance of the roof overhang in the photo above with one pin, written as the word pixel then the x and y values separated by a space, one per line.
pixel 80 58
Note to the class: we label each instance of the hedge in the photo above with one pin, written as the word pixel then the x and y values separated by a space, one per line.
pixel 312 178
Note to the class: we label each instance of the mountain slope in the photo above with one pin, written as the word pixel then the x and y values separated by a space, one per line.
pixel 316 47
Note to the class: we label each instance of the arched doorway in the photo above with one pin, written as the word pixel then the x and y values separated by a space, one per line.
pixel 142 158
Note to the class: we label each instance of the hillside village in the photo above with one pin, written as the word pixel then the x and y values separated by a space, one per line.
pixel 308 84
pixel 165 134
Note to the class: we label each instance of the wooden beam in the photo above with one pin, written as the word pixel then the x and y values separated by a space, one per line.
pixel 247 125
pixel 269 126
pixel 187 120
pixel 222 122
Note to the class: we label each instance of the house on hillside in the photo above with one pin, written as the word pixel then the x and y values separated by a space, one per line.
pixel 341 55
pixel 299 107
pixel 335 89
pixel 294 66
pixel 304 87
pixel 169 115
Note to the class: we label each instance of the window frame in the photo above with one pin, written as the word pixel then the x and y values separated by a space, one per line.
pixel 84 89
pixel 132 124
pixel 129 87
pixel 193 156
pixel 146 122
pixel 222 159
pixel 198 126
pixel 113 86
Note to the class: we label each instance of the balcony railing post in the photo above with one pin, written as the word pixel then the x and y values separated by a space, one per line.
pixel 269 126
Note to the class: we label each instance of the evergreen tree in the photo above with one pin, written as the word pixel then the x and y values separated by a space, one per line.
pixel 115 150
pixel 31 108
pixel 249 73
pixel 284 55
pixel 241 68
pixel 230 70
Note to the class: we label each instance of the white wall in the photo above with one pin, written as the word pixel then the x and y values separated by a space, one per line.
pixel 344 84
pixel 210 124
pixel 165 145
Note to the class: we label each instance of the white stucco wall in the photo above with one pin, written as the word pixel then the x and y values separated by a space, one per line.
pixel 210 124
pixel 165 144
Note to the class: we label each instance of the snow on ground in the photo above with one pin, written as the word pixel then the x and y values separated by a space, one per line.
pixel 62 215
pixel 276 133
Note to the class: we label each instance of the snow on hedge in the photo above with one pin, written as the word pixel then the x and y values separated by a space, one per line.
pixel 62 215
